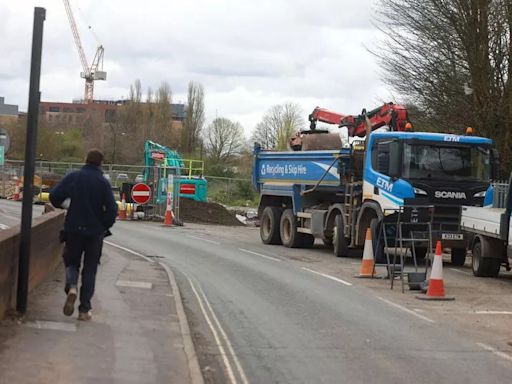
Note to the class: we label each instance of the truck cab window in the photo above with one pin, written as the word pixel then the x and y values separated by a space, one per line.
pixel 422 161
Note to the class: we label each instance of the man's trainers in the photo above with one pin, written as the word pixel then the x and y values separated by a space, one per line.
pixel 84 316
pixel 69 305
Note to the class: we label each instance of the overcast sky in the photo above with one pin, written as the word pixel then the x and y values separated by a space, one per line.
pixel 248 55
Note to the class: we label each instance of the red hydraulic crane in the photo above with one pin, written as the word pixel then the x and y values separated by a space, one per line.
pixel 95 70
pixel 392 115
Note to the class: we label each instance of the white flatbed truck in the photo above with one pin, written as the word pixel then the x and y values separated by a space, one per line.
pixel 489 232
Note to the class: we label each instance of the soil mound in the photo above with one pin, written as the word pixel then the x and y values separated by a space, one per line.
pixel 192 211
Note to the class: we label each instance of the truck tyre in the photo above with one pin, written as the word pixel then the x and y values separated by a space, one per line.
pixel 269 226
pixel 458 256
pixel 484 266
pixel 377 241
pixel 307 240
pixel 339 241
pixel 288 229
pixel 327 241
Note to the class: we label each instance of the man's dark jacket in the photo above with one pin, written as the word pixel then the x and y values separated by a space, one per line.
pixel 93 209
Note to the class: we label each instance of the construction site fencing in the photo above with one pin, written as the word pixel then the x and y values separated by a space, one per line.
pixel 225 190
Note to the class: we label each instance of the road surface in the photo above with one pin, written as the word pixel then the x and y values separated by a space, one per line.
pixel 269 319
pixel 10 213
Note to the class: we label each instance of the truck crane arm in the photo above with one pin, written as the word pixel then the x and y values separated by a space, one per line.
pixel 389 114
pixel 325 116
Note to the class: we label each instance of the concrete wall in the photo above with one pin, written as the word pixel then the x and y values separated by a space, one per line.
pixel 45 256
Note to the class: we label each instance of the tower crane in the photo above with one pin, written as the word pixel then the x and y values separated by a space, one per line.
pixel 95 70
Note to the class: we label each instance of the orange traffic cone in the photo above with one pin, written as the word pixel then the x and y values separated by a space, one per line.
pixel 435 289
pixel 169 217
pixel 16 195
pixel 122 211
pixel 368 263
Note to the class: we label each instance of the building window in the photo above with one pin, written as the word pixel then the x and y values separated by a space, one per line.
pixel 67 109
pixel 54 109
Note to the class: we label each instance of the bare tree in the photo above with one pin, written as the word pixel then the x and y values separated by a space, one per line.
pixel 453 59
pixel 224 140
pixel 194 118
pixel 162 116
pixel 279 123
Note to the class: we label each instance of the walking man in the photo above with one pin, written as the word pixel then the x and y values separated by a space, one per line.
pixel 92 211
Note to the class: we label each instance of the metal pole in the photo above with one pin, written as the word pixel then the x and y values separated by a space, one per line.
pixel 30 155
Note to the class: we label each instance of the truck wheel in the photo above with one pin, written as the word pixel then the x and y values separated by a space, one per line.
pixel 484 266
pixel 458 256
pixel 288 228
pixel 269 226
pixel 307 240
pixel 339 241
pixel 377 241
pixel 327 241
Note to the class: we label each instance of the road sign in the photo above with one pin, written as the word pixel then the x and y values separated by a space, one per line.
pixel 141 193
pixel 187 189
pixel 2 155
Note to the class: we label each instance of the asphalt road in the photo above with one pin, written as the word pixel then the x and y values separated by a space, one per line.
pixel 274 321
pixel 10 213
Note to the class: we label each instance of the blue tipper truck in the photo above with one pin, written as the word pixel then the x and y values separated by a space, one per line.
pixel 335 195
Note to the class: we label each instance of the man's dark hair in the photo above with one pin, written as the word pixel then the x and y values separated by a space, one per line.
pixel 94 157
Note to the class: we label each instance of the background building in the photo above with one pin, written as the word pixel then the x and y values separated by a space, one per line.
pixel 100 110
pixel 7 111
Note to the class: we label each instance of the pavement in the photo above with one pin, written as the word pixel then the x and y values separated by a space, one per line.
pixel 269 314
pixel 135 335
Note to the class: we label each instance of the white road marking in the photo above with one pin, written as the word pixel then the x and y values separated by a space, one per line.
pixel 129 251
pixel 493 312
pixel 3 226
pixel 241 371
pixel 134 284
pixel 52 325
pixel 203 239
pixel 503 355
pixel 327 276
pixel 222 351
pixel 259 254
pixel 407 310
pixel 459 271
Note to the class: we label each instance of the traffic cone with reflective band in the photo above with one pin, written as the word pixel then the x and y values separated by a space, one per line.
pixel 122 211
pixel 435 289
pixel 169 217
pixel 368 262
pixel 16 194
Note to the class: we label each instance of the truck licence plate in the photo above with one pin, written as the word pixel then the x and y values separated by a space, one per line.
pixel 452 236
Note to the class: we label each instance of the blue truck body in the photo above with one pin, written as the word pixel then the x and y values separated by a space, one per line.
pixel 318 185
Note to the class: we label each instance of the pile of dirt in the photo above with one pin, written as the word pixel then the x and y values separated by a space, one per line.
pixel 210 213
